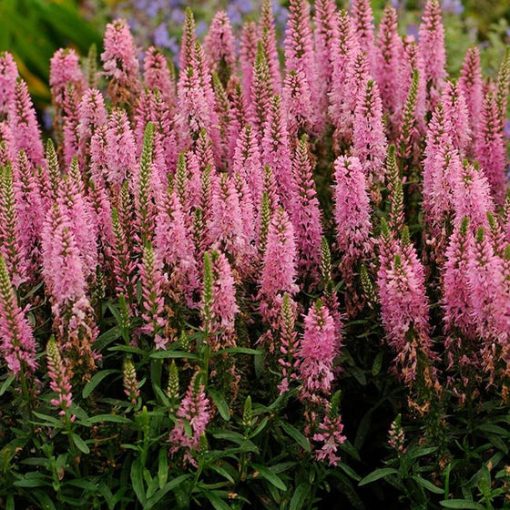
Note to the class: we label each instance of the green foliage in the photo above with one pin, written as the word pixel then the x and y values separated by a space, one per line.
pixel 32 30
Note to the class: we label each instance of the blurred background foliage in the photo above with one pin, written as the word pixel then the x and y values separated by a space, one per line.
pixel 33 29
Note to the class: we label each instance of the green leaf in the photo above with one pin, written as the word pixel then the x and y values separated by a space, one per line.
pixel 100 418
pixel 220 403
pixel 421 452
pixel 377 474
pixel 6 384
pixel 10 503
pixel 216 501
pixel 127 348
pixel 48 420
pixel 464 504
pixel 349 471
pixel 172 484
pixel 96 379
pixel 376 366
pixel 295 434
pixel 162 467
pixel 44 500
pixel 223 472
pixel 137 480
pixel 242 350
pixel 426 484
pixel 270 476
pixel 30 482
pixel 172 354
pixel 492 428
pixel 80 443
pixel 299 497
pixel 106 338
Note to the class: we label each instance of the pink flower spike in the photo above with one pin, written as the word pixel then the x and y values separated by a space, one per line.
pixel 121 151
pixel 300 55
pixel 405 310
pixel 317 354
pixel 369 140
pixel 247 55
pixel 432 50
pixel 331 437
pixel 457 113
pixel 60 377
pixel 17 345
pixel 491 149
pixel 92 116
pixel 14 244
pixel 363 18
pixel 247 162
pixel 306 215
pixel 153 282
pixel 276 151
pixel 188 41
pixel 388 62
pixel 352 210
pixel 219 46
pixel 456 283
pixel 268 38
pixel 24 127
pixel 195 411
pixel 157 75
pixel 489 298
pixel 343 55
pixel 326 41
pixel 471 85
pixel 472 197
pixel 8 77
pixel 224 306
pixel 279 266
pixel 120 63
pixel 64 72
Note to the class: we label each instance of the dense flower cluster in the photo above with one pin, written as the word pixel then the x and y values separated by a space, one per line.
pixel 230 201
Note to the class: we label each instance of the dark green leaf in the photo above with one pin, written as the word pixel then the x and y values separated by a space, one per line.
pixel 464 504
pixel 216 501
pixel 100 418
pixel 80 443
pixel 299 497
pixel 270 476
pixel 96 379
pixel 173 354
pixel 428 485
pixel 171 485
pixel 220 403
pixel 295 434
pixel 6 384
pixel 137 481
pixel 377 474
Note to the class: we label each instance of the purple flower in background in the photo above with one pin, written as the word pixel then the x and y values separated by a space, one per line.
pixel 201 28
pixel 177 16
pixel 162 38
pixel 453 6
pixel 412 30
pixel 507 129
pixel 47 119
pixel 234 14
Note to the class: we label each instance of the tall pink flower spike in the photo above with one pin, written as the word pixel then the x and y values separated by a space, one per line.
pixel 279 266
pixel 300 55
pixel 120 63
pixel 369 140
pixel 432 50
pixel 18 347
pixel 8 77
